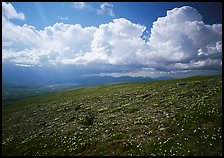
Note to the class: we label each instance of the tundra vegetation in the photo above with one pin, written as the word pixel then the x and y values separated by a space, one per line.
pixel 171 117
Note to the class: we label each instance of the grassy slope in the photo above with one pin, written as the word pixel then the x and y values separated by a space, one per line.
pixel 173 117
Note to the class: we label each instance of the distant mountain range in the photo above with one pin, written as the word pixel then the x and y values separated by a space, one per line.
pixel 51 75
pixel 18 90
pixel 97 80
pixel 88 81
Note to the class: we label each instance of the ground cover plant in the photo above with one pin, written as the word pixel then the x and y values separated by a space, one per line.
pixel 159 118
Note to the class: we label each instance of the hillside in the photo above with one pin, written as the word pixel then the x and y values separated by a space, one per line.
pixel 172 117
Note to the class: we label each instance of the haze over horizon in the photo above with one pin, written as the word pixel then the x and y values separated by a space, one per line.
pixel 45 41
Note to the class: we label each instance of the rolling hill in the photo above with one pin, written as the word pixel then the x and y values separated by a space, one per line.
pixel 170 117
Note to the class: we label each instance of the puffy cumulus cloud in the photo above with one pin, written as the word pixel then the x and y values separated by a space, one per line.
pixel 68 39
pixel 106 8
pixel 19 37
pixel 118 42
pixel 180 41
pixel 74 44
pixel 53 45
pixel 182 38
pixel 9 12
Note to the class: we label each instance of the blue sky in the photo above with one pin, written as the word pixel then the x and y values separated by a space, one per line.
pixel 41 14
pixel 150 39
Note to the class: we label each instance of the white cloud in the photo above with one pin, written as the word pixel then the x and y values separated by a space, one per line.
pixel 57 43
pixel 9 12
pixel 118 42
pixel 19 37
pixel 79 5
pixel 180 41
pixel 106 8
pixel 181 37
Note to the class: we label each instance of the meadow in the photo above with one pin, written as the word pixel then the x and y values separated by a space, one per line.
pixel 160 118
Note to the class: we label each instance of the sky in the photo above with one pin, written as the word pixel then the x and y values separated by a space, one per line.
pixel 148 39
